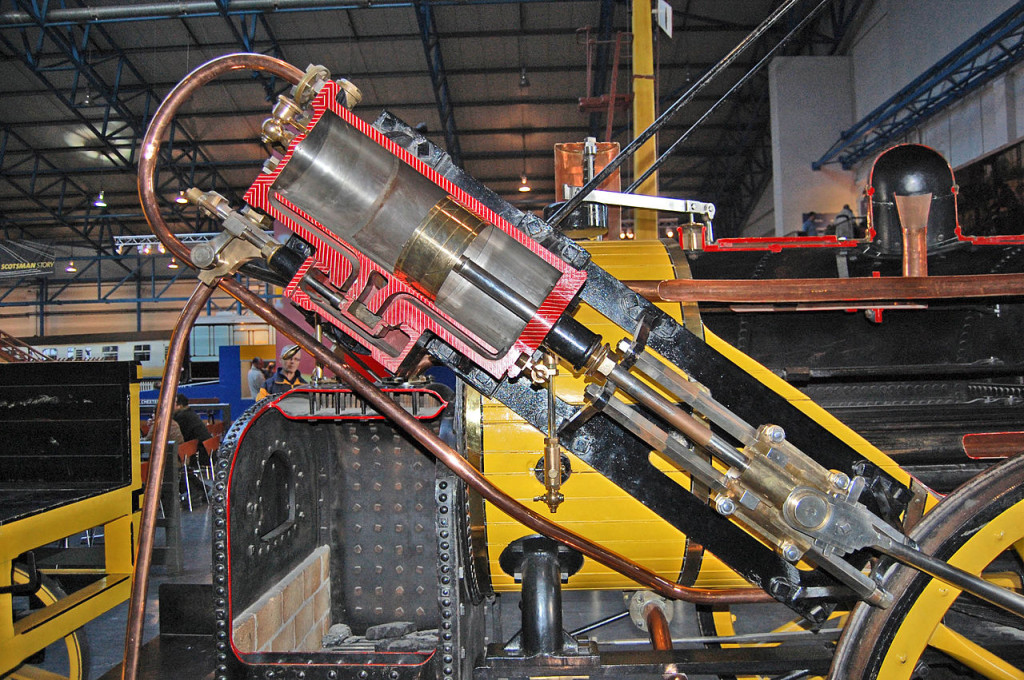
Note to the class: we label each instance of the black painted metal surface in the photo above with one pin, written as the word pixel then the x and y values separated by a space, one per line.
pixel 64 433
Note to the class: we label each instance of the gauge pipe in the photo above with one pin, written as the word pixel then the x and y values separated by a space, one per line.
pixel 157 457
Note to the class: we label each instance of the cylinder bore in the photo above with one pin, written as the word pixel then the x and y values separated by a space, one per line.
pixel 369 198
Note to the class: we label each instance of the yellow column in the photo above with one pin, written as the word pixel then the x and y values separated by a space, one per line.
pixel 646 221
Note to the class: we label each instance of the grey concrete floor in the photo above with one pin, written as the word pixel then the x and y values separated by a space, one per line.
pixel 105 635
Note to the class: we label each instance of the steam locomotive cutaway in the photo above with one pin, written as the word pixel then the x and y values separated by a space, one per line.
pixel 595 441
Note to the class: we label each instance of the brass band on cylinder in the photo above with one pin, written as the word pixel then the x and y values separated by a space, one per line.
pixel 437 245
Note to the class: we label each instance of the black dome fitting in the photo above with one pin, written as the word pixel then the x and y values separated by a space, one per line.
pixel 911 170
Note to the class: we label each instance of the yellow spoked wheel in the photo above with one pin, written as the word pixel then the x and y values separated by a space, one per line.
pixel 932 630
pixel 66 659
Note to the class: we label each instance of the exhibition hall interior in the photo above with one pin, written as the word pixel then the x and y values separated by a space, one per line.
pixel 512 339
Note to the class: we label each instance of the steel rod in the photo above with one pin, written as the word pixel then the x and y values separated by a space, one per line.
pixel 731 91
pixel 936 568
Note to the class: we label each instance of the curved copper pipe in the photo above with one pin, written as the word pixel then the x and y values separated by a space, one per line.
pixel 157 456
pixel 162 119
pixel 165 115
pixel 862 289
pixel 460 466
pixel 147 194
pixel 657 628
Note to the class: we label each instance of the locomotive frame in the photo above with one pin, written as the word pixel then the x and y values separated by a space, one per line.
pixel 596 439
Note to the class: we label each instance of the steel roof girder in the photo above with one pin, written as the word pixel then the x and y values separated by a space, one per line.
pixel 970 65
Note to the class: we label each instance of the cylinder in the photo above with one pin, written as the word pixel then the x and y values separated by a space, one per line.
pixel 372 200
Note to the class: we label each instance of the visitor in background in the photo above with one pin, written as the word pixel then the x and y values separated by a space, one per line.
pixel 255 377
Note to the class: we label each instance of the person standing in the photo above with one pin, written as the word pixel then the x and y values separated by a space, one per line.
pixel 255 377
pixel 287 377
pixel 844 223
pixel 810 225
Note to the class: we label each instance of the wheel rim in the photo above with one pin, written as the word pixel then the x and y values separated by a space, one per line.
pixel 70 649
pixel 923 626
pixel 976 525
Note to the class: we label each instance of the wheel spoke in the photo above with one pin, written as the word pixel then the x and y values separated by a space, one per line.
pixel 1018 548
pixel 973 655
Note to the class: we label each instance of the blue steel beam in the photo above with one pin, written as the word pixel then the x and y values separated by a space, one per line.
pixel 438 78
pixel 976 61
pixel 28 177
pixel 210 8
pixel 120 101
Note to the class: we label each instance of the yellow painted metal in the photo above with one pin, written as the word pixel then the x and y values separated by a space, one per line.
pixel 73 652
pixel 116 512
pixel 925 617
pixel 972 655
pixel 645 223
pixel 594 506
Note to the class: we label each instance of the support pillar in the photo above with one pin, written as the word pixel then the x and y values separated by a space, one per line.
pixel 645 224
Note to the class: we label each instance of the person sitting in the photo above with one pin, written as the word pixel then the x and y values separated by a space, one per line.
pixel 287 377
pixel 192 426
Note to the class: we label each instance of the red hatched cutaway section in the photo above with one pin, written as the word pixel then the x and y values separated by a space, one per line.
pixel 405 314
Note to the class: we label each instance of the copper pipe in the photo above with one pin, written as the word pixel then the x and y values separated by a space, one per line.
pixel 993 444
pixel 913 212
pixel 857 290
pixel 657 627
pixel 157 456
pixel 460 466
pixel 147 195
pixel 380 401
pixel 165 115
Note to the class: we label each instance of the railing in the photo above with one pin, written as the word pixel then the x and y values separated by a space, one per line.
pixel 12 350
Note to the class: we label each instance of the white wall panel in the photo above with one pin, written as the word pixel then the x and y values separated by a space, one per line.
pixel 811 102
pixel 896 41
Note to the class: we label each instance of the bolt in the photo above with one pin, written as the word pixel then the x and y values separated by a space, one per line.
pixel 725 505
pixel 790 552
pixel 810 511
pixel 841 481
pixel 775 434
